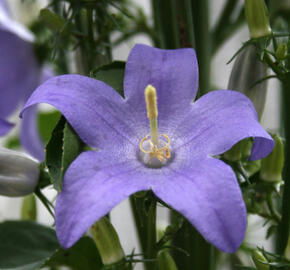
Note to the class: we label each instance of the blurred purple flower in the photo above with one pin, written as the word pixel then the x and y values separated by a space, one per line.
pixel 20 75
pixel 201 187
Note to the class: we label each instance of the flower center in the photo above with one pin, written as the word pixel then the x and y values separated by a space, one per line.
pixel 151 145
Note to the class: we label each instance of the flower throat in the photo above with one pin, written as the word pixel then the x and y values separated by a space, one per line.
pixel 158 147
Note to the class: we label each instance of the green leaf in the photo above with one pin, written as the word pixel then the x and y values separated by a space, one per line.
pixel 46 123
pixel 83 255
pixel 54 153
pixel 13 143
pixel 25 245
pixel 111 74
pixel 63 147
pixel 52 20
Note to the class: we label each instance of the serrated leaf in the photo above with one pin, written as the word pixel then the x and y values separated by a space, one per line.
pixel 71 147
pixel 25 245
pixel 54 153
pixel 63 147
pixel 46 123
pixel 83 255
pixel 111 74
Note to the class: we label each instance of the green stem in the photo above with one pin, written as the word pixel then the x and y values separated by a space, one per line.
pixel 62 61
pixel 200 9
pixel 224 28
pixel 275 215
pixel 151 252
pixel 224 19
pixel 165 23
pixel 200 253
pixel 137 209
pixel 284 226
pixel 145 221
pixel 185 23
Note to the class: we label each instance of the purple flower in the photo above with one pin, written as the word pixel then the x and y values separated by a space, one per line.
pixel 20 75
pixel 192 181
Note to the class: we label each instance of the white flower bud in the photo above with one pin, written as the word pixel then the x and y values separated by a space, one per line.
pixel 248 70
pixel 18 173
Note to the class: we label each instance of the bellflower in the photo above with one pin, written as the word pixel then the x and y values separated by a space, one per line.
pixel 20 75
pixel 188 177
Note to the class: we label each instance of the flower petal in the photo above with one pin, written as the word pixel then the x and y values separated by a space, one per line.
pixel 174 74
pixel 93 185
pixel 29 134
pixel 19 71
pixel 93 109
pixel 207 194
pixel 5 127
pixel 220 119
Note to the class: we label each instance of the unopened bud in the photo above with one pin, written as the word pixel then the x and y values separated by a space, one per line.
pixel 18 173
pixel 165 261
pixel 281 52
pixel 260 260
pixel 272 165
pixel 107 241
pixel 28 209
pixel 257 17
pixel 246 72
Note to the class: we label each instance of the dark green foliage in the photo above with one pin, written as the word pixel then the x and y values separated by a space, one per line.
pixel 63 147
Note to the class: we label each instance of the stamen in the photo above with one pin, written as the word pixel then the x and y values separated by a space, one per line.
pixel 155 152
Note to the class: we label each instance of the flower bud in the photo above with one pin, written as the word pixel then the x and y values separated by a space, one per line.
pixel 28 209
pixel 259 260
pixel 247 70
pixel 239 151
pixel 107 241
pixel 258 18
pixel 18 173
pixel 272 165
pixel 165 261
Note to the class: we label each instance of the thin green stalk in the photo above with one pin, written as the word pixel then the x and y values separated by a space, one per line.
pixel 284 226
pixel 145 221
pixel 224 18
pixel 137 209
pixel 199 254
pixel 185 23
pixel 165 23
pixel 200 14
pixel 224 28
pixel 61 61
pixel 151 252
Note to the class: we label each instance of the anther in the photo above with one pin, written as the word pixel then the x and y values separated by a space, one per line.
pixel 155 152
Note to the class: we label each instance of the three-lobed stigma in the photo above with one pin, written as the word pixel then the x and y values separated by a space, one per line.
pixel 159 150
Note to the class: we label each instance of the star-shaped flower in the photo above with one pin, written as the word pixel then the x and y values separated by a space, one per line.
pixel 20 75
pixel 190 179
